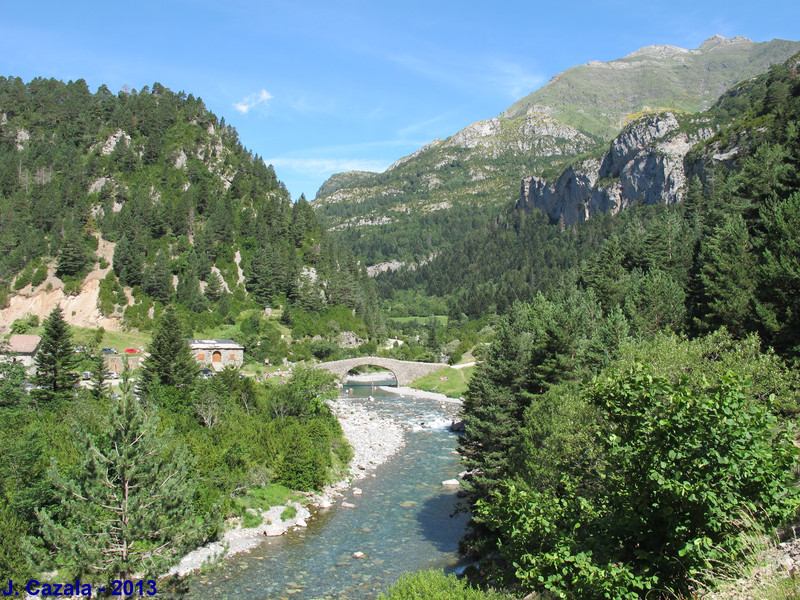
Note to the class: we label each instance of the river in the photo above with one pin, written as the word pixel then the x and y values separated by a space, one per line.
pixel 402 522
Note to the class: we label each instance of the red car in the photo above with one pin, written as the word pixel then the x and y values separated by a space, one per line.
pixel 131 351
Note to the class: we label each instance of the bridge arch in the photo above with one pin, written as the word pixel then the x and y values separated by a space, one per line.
pixel 404 371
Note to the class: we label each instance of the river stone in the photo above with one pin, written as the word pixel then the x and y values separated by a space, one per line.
pixel 348 505
pixel 451 483
pixel 358 555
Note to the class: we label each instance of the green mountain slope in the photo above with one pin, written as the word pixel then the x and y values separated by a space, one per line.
pixel 599 98
pixel 426 201
pixel 154 196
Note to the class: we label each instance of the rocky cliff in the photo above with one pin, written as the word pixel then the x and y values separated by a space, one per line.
pixel 645 163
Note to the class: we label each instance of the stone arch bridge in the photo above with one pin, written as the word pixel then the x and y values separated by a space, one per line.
pixel 405 371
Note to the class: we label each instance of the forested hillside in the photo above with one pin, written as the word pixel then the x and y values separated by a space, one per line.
pixel 631 433
pixel 195 218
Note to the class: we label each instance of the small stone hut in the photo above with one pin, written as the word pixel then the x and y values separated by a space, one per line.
pixel 24 348
pixel 217 354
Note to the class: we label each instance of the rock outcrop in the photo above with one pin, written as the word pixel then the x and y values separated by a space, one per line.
pixel 645 164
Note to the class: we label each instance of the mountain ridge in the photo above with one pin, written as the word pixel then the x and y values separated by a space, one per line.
pixel 578 112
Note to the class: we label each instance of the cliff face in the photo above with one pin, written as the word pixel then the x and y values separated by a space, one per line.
pixel 645 163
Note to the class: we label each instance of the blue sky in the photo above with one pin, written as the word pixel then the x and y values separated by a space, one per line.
pixel 317 88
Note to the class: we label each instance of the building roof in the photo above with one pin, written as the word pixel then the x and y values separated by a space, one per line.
pixel 23 343
pixel 214 345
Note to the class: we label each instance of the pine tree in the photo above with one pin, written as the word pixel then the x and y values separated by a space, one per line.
pixel 213 287
pixel 729 277
pixel 188 289
pixel 262 279
pixel 780 274
pixel 170 362
pixel 12 375
pixel 129 509
pixel 498 394
pixel 56 359
pixel 158 280
pixel 73 257
pixel 99 387
pixel 128 262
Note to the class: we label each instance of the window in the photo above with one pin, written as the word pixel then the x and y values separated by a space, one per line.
pixel 201 356
pixel 233 356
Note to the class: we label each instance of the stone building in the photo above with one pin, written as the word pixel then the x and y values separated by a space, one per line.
pixel 217 354
pixel 24 348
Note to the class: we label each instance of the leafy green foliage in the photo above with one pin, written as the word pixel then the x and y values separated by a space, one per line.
pixel 643 478
pixel 435 585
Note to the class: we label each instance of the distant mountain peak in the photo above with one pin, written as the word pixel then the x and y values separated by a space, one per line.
pixel 718 40
pixel 655 51
pixel 661 51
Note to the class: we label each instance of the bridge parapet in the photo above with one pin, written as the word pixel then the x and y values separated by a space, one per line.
pixel 405 371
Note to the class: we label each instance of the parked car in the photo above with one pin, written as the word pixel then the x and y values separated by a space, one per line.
pixel 87 375
pixel 110 375
pixel 110 351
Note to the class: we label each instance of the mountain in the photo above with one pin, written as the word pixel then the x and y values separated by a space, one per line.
pixel 599 98
pixel 425 201
pixel 710 206
pixel 118 204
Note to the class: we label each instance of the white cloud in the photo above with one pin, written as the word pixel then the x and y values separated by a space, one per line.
pixel 327 166
pixel 515 80
pixel 252 101
pixel 510 78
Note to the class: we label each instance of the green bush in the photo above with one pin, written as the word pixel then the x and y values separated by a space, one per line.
pixel 39 276
pixel 72 287
pixel 252 519
pixel 304 465
pixel 680 470
pixel 12 529
pixel 25 324
pixel 24 278
pixel 435 585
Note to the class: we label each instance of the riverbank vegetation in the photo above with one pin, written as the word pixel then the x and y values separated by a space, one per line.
pixel 190 452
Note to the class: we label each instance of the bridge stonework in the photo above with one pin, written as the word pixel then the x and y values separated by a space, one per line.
pixel 404 371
